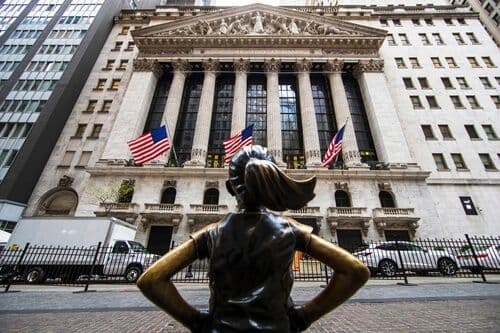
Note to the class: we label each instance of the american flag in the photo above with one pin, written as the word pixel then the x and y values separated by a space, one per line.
pixel 236 142
pixel 150 145
pixel 334 148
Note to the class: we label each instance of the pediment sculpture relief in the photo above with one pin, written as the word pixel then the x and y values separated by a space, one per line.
pixel 257 23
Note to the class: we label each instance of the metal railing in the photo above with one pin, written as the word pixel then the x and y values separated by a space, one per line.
pixel 394 260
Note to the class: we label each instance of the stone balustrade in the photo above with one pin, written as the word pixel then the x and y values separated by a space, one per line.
pixel 348 218
pixel 218 209
pixel 163 207
pixel 399 218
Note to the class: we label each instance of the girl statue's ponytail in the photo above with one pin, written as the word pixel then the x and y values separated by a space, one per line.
pixel 256 181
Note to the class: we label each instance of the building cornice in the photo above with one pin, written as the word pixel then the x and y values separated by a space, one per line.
pixel 212 173
pixel 345 12
pixel 463 181
pixel 258 27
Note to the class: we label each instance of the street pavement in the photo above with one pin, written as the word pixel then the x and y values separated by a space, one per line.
pixel 447 305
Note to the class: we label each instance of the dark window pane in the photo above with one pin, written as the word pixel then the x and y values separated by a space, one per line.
pixel 291 127
pixel 221 120
pixel 257 108
pixel 158 103
pixel 359 119
pixel 186 124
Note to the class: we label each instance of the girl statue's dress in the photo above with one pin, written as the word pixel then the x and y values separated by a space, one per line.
pixel 250 254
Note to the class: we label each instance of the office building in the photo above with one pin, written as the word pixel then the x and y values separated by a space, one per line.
pixel 417 86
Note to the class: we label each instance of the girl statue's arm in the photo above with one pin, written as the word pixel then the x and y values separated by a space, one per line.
pixel 350 275
pixel 156 285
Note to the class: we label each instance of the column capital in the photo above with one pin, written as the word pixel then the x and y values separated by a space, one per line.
pixel 148 65
pixel 272 65
pixel 210 65
pixel 334 66
pixel 241 65
pixel 369 66
pixel 180 65
pixel 303 65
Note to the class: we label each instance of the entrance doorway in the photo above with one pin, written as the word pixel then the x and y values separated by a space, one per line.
pixel 159 239
pixel 399 235
pixel 349 239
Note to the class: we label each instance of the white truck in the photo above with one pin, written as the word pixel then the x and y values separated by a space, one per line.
pixel 66 248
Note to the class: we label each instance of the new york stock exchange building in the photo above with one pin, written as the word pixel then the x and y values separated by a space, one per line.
pixel 409 168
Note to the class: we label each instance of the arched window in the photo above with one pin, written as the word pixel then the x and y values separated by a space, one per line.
pixel 58 203
pixel 342 199
pixel 126 192
pixel 386 199
pixel 168 195
pixel 211 197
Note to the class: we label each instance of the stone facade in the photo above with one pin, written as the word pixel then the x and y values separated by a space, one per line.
pixel 426 201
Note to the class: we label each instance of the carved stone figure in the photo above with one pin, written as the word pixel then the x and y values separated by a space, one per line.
pixel 223 27
pixel 326 29
pixel 293 28
pixel 310 28
pixel 250 254
pixel 258 27
pixel 258 23
pixel 280 25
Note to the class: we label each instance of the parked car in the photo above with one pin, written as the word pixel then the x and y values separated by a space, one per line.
pixel 487 256
pixel 384 258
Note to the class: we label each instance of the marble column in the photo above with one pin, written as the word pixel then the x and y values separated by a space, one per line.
pixel 350 150
pixel 204 118
pixel 308 115
pixel 274 138
pixel 133 112
pixel 238 120
pixel 174 100
pixel 385 125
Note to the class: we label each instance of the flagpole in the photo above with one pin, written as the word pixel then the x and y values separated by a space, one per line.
pixel 172 145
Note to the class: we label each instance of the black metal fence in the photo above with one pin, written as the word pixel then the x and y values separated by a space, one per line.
pixel 396 260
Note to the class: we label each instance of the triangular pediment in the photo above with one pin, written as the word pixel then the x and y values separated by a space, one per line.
pixel 259 25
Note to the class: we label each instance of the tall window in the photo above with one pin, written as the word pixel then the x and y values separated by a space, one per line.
pixel 386 199
pixel 168 195
pixel 440 162
pixel 359 119
pixel 324 111
pixel 221 120
pixel 471 131
pixel 459 161
pixel 184 131
pixel 257 108
pixel 126 191
pixel 428 133
pixel 342 199
pixel 158 103
pixel 211 197
pixel 487 161
pixel 291 127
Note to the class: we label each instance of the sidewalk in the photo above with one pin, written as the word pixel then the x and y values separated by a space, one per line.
pixel 121 297
pixel 447 305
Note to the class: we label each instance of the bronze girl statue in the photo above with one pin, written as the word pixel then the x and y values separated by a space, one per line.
pixel 250 254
